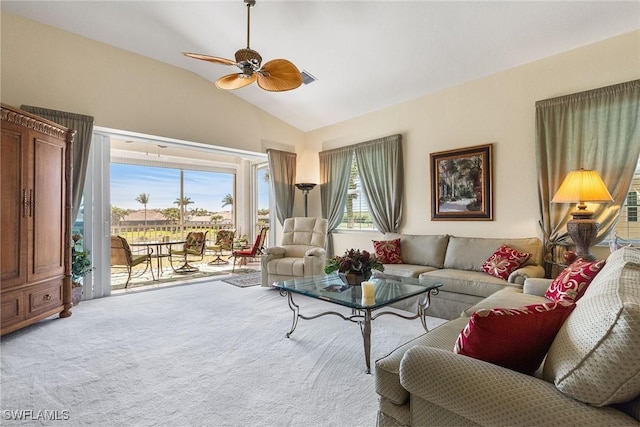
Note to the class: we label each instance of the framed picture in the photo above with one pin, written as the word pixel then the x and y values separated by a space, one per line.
pixel 461 184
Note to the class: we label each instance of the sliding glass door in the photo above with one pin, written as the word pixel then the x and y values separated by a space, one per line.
pixel 139 185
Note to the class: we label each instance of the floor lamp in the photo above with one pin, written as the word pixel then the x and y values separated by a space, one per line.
pixel 579 187
pixel 305 187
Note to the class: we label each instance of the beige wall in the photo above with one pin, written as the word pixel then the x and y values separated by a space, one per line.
pixel 498 109
pixel 55 69
pixel 51 68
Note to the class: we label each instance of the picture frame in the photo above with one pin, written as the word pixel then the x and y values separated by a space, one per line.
pixel 461 184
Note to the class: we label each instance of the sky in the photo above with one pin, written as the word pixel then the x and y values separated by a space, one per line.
pixel 162 185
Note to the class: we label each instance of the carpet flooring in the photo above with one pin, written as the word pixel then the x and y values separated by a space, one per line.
pixel 204 354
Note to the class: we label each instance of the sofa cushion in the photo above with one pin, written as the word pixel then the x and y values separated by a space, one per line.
pixel 406 270
pixel 571 283
pixel 469 253
pixel 510 297
pixel 514 338
pixel 504 261
pixel 466 282
pixel 388 251
pixel 387 375
pixel 594 357
pixel 422 249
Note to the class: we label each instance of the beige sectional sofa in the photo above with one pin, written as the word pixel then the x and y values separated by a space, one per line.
pixel 590 376
pixel 456 262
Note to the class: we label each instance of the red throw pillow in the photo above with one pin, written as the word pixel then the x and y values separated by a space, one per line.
pixel 504 261
pixel 388 251
pixel 571 283
pixel 514 338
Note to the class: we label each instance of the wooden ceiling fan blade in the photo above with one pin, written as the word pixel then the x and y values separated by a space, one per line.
pixel 210 58
pixel 279 75
pixel 234 81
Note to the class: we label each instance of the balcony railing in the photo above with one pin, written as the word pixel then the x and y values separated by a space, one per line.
pixel 141 233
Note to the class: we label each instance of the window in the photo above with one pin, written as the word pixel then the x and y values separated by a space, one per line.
pixel 632 206
pixel 262 196
pixel 356 211
pixel 628 227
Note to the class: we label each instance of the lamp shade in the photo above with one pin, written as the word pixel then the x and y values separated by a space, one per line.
pixel 582 186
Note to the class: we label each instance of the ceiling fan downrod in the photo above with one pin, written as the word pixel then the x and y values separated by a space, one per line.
pixel 250 4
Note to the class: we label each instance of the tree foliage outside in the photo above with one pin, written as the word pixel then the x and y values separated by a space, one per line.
pixel 182 205
pixel 144 199
pixel 200 212
pixel 171 214
pixel 352 193
pixel 184 201
pixel 118 214
pixel 227 201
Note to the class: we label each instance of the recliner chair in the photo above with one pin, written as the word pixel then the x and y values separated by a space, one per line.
pixel 300 254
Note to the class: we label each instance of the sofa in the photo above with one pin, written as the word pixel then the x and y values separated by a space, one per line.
pixel 456 262
pixel 590 375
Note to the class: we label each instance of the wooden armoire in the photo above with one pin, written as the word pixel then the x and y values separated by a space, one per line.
pixel 35 219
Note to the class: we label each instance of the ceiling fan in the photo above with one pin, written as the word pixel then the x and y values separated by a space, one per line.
pixel 277 75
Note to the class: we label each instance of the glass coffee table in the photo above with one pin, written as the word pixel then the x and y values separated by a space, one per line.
pixel 388 290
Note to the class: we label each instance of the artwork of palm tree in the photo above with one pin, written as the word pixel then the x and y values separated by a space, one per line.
pixel 460 183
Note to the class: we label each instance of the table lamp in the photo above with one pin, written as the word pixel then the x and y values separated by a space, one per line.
pixel 579 187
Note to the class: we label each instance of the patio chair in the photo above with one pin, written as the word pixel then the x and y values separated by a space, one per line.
pixel 122 257
pixel 224 242
pixel 193 250
pixel 254 252
pixel 300 254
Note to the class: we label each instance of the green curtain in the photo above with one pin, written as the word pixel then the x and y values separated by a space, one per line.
pixel 381 169
pixel 335 168
pixel 81 146
pixel 597 129
pixel 282 171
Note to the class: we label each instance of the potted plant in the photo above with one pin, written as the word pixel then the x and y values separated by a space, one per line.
pixel 80 266
pixel 354 266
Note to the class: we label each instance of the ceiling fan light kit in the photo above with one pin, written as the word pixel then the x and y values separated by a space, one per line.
pixel 277 75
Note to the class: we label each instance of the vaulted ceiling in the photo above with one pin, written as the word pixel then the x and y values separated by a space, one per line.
pixel 366 55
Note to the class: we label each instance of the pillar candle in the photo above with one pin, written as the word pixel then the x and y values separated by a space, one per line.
pixel 368 290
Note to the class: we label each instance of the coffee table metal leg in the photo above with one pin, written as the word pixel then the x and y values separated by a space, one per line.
pixel 296 311
pixel 423 306
pixel 365 327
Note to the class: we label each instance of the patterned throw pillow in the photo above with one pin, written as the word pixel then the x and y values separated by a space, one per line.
pixel 571 283
pixel 504 261
pixel 514 338
pixel 388 251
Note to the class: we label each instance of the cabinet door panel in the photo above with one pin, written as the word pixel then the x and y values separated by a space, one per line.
pixel 48 209
pixel 13 212
pixel 12 308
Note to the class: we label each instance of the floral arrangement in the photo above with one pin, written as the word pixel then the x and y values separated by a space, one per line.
pixel 354 261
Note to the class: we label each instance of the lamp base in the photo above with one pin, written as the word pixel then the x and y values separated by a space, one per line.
pixel 583 232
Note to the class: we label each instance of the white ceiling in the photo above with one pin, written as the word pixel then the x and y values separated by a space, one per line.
pixel 366 55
